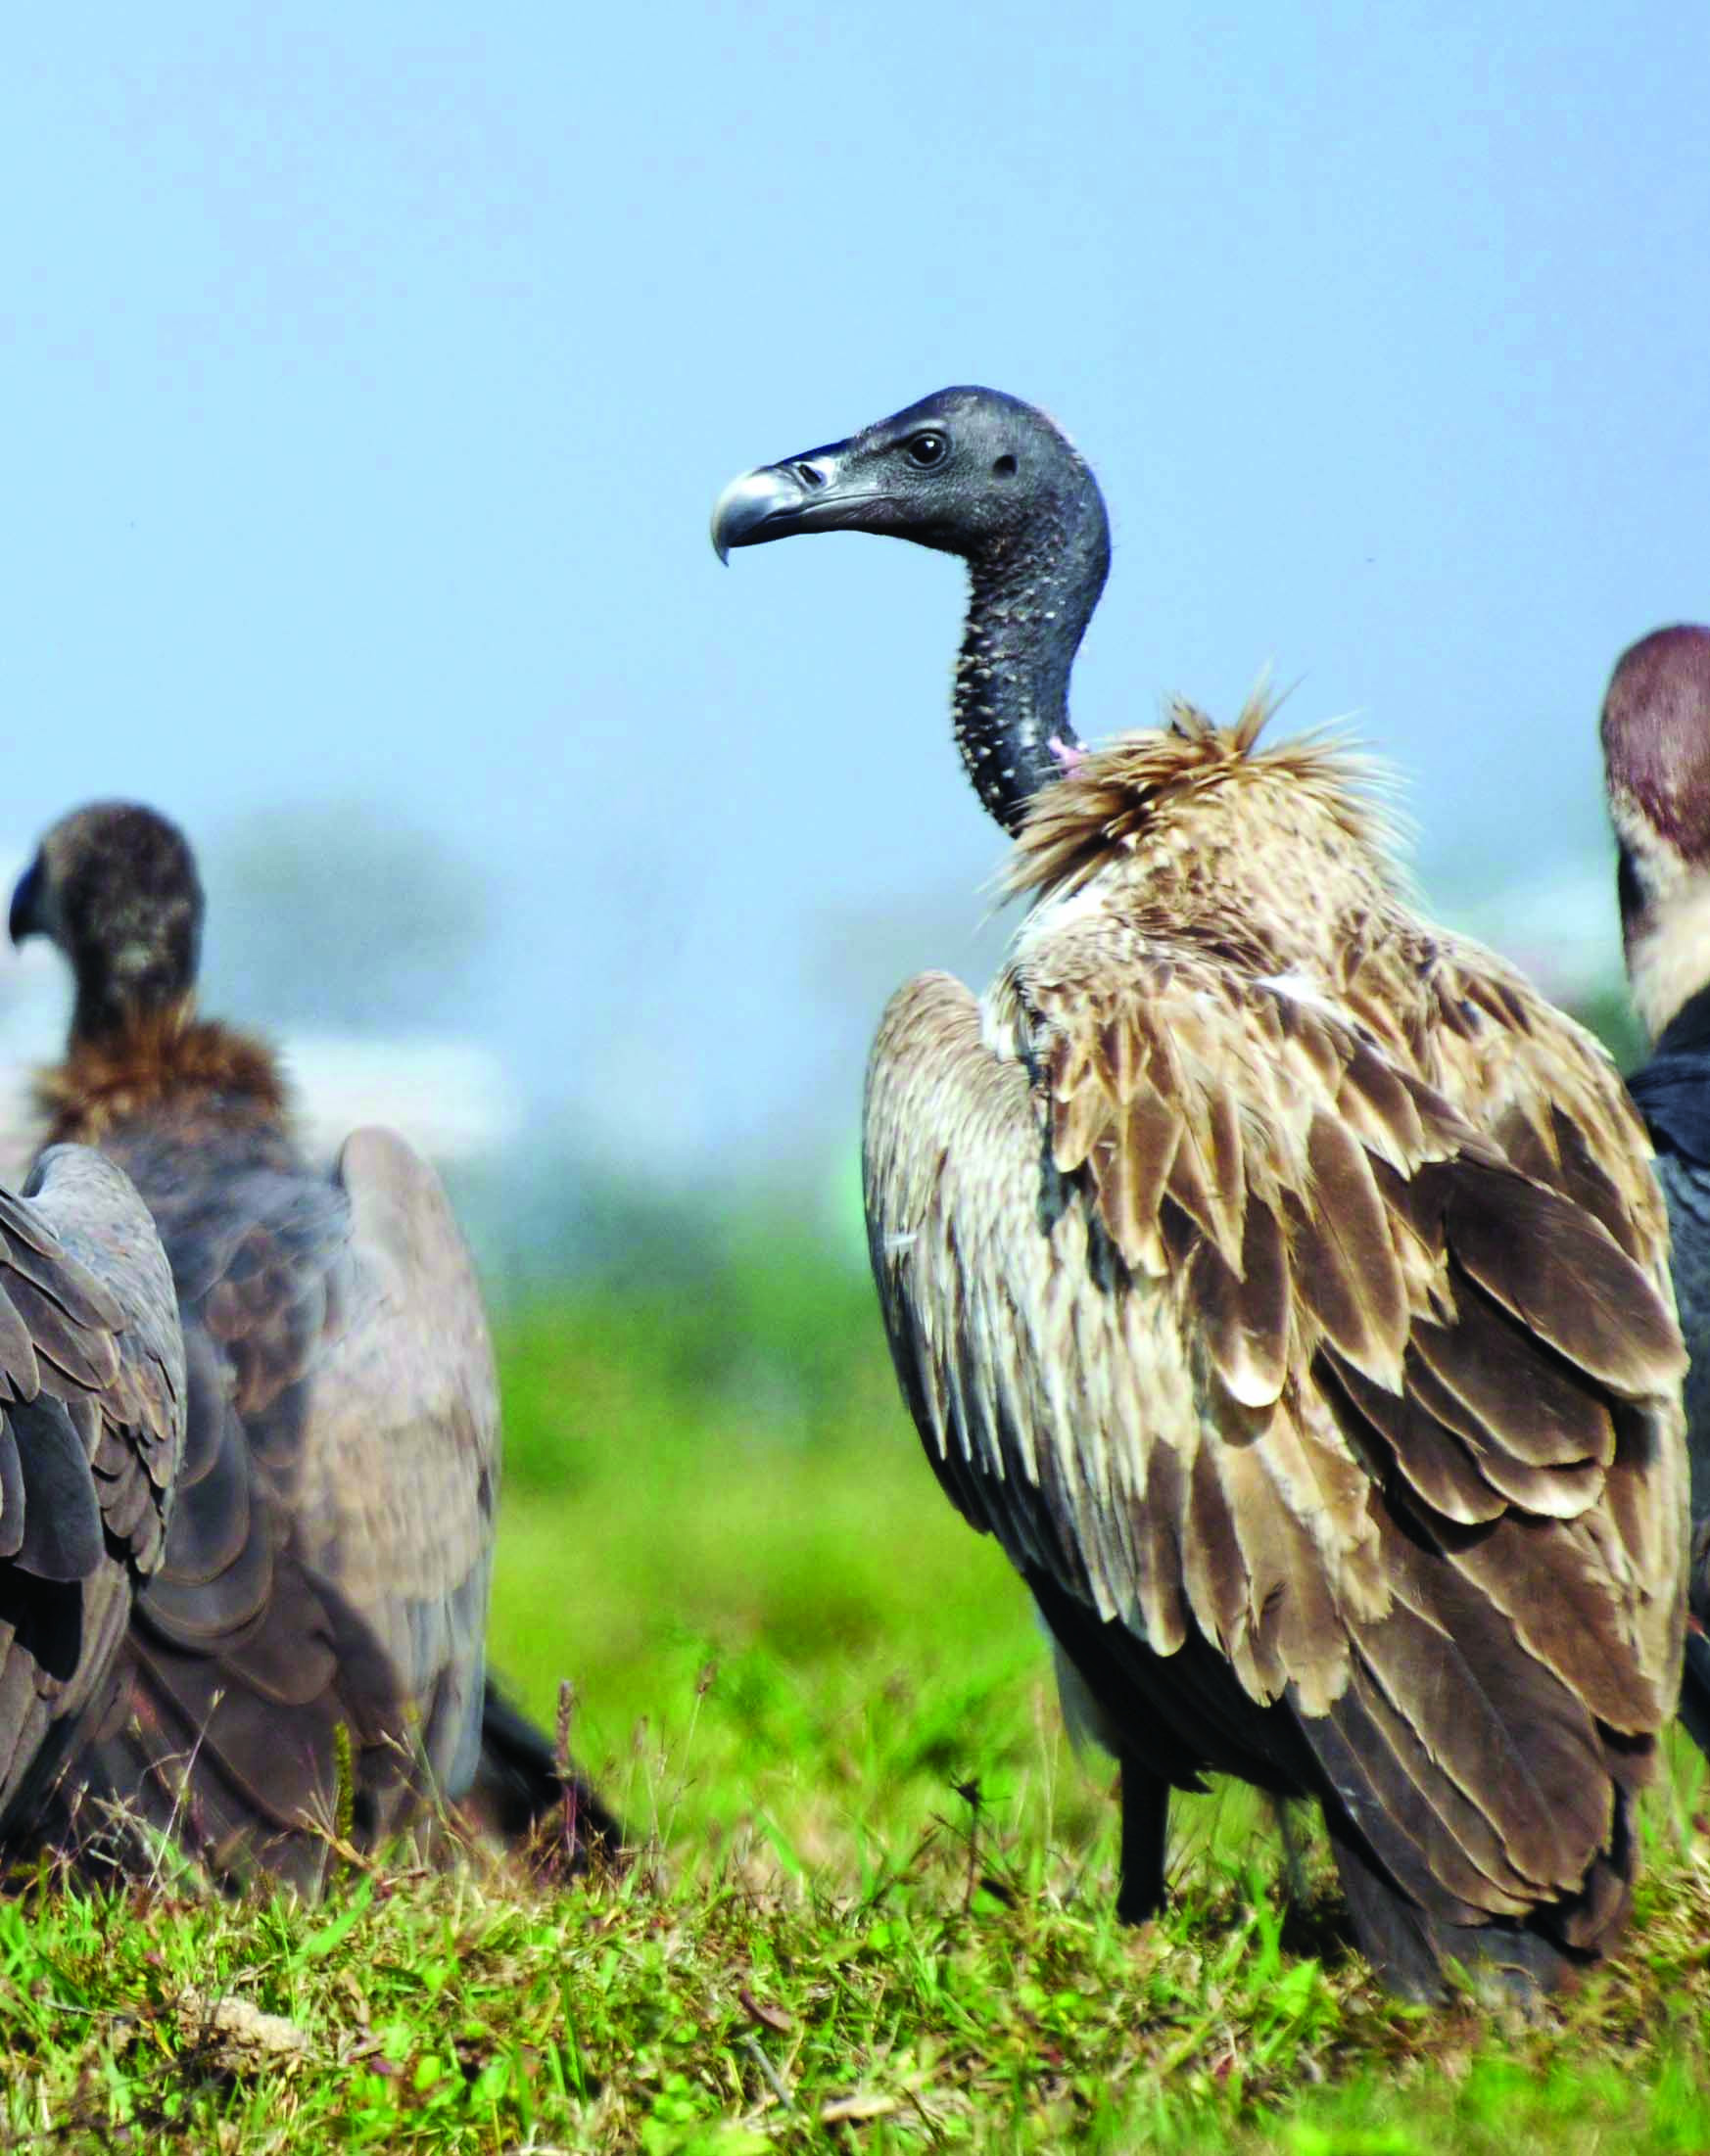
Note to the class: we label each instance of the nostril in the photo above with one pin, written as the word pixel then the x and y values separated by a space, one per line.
pixel 810 475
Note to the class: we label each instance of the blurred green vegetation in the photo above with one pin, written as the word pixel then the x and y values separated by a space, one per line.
pixel 1608 1013
pixel 720 1528
pixel 719 1524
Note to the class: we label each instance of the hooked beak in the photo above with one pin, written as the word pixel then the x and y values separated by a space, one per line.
pixel 803 494
pixel 25 918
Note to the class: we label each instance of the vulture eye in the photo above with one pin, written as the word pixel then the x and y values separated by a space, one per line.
pixel 926 450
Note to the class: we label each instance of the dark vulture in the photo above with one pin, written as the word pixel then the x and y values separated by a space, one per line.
pixel 1280 1280
pixel 1656 750
pixel 311 1644
pixel 91 1435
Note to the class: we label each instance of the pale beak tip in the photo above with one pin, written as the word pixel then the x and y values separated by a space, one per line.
pixel 751 501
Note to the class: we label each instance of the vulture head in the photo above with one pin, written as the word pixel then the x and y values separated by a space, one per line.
pixel 115 887
pixel 967 471
pixel 1656 757
pixel 975 473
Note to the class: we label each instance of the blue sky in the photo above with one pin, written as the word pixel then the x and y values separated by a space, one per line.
pixel 371 373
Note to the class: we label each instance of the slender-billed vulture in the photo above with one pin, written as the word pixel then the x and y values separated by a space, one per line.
pixel 314 1638
pixel 1280 1280
pixel 1656 751
pixel 91 1435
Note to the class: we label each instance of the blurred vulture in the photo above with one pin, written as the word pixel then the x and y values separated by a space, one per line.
pixel 1656 749
pixel 91 1433
pixel 313 1638
pixel 1280 1280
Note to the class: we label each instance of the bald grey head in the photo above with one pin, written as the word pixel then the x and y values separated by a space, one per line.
pixel 1656 761
pixel 966 471
pixel 977 473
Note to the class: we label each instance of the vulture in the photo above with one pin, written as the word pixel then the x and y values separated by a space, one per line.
pixel 308 1652
pixel 1656 754
pixel 1279 1278
pixel 92 1405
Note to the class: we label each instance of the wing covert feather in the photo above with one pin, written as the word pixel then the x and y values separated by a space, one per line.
pixel 330 1553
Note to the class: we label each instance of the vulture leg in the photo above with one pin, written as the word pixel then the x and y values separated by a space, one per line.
pixel 1294 1861
pixel 1145 1829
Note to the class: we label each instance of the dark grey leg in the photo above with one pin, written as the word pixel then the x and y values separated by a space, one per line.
pixel 1145 1826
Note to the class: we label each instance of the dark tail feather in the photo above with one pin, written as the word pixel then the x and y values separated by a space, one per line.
pixel 1696 1688
pixel 529 1798
pixel 1410 1949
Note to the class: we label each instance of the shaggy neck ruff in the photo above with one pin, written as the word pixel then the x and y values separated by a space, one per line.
pixel 1030 603
pixel 158 1057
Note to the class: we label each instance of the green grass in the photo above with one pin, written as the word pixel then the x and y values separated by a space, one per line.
pixel 873 1909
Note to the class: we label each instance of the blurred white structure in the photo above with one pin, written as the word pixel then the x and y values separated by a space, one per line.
pixel 1563 930
pixel 454 1100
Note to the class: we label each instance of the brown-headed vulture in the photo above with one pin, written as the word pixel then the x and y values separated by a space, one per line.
pixel 1282 1281
pixel 1656 751
pixel 313 1638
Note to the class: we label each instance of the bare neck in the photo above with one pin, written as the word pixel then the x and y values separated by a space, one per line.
pixel 1028 606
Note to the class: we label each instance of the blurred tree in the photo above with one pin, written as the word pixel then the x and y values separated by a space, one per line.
pixel 341 918
pixel 1609 1014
